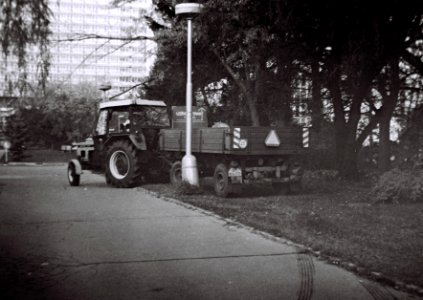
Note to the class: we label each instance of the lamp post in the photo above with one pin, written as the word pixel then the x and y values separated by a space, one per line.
pixel 189 163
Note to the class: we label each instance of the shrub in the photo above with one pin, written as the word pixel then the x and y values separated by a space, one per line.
pixel 399 186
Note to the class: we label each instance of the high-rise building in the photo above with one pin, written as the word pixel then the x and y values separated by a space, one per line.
pixel 86 45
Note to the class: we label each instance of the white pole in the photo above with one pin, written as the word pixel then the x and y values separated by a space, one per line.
pixel 188 118
pixel 189 162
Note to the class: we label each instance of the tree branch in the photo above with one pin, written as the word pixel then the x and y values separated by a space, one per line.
pixel 368 129
pixel 129 89
pixel 415 61
pixel 83 37
pixel 232 73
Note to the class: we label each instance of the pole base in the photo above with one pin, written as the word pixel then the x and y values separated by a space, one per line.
pixel 190 170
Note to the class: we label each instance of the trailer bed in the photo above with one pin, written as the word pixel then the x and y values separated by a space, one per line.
pixel 236 140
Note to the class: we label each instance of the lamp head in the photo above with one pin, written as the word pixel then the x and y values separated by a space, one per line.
pixel 105 87
pixel 188 10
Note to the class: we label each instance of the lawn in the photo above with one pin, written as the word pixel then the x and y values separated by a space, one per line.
pixel 340 223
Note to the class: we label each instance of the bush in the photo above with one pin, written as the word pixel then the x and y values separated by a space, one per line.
pixel 399 186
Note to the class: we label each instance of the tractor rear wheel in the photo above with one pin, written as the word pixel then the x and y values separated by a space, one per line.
pixel 123 167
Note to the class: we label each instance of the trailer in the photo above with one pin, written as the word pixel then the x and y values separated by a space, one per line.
pixel 236 156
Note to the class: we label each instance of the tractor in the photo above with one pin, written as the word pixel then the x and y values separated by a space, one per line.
pixel 124 144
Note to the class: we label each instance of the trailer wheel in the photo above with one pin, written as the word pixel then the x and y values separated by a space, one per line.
pixel 176 173
pixel 221 181
pixel 123 167
pixel 73 178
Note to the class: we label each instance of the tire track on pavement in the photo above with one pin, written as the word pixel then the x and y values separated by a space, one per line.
pixel 306 272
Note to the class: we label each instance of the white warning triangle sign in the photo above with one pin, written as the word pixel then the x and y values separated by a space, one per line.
pixel 272 139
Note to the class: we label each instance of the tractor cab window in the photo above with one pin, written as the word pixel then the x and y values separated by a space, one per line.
pixel 150 116
pixel 119 122
pixel 101 127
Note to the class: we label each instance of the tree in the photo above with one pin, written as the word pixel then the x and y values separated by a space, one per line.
pixel 233 45
pixel 17 131
pixel 64 116
pixel 25 24
pixel 354 42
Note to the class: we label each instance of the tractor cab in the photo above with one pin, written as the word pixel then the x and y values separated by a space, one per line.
pixel 130 117
pixel 136 121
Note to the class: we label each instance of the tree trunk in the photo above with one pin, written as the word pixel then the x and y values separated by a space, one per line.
pixel 348 167
pixel 384 144
pixel 345 132
pixel 249 95
pixel 316 104
pixel 390 101
pixel 252 106
pixel 340 124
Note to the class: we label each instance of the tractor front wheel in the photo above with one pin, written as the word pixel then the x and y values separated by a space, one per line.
pixel 123 167
pixel 73 178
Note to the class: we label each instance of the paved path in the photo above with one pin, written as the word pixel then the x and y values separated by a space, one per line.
pixel 97 242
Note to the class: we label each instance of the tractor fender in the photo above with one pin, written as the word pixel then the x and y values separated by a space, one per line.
pixel 138 141
pixel 78 166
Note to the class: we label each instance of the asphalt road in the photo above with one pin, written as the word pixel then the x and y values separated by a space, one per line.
pixel 98 242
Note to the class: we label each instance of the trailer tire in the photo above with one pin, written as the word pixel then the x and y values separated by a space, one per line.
pixel 176 173
pixel 123 166
pixel 73 177
pixel 221 181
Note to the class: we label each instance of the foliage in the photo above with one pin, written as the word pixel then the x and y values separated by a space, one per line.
pixel 24 24
pixel 399 186
pixel 64 116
